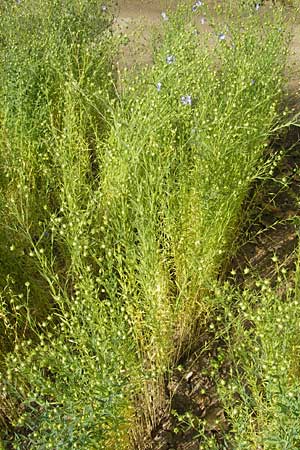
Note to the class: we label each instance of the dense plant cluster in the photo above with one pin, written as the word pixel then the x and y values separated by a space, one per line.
pixel 120 199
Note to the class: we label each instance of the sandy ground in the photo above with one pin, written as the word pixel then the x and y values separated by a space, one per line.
pixel 135 19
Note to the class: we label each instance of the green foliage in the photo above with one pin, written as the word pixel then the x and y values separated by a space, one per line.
pixel 174 175
pixel 261 395
pixel 255 369
pixel 117 209
pixel 56 93
pixel 72 388
pixel 56 66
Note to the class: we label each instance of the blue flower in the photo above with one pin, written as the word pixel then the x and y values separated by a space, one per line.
pixel 164 16
pixel 186 100
pixel 222 37
pixel 170 59
pixel 252 82
pixel 196 5
pixel 159 86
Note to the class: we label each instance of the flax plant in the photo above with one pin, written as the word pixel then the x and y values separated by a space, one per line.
pixel 119 208
pixel 70 353
pixel 187 140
